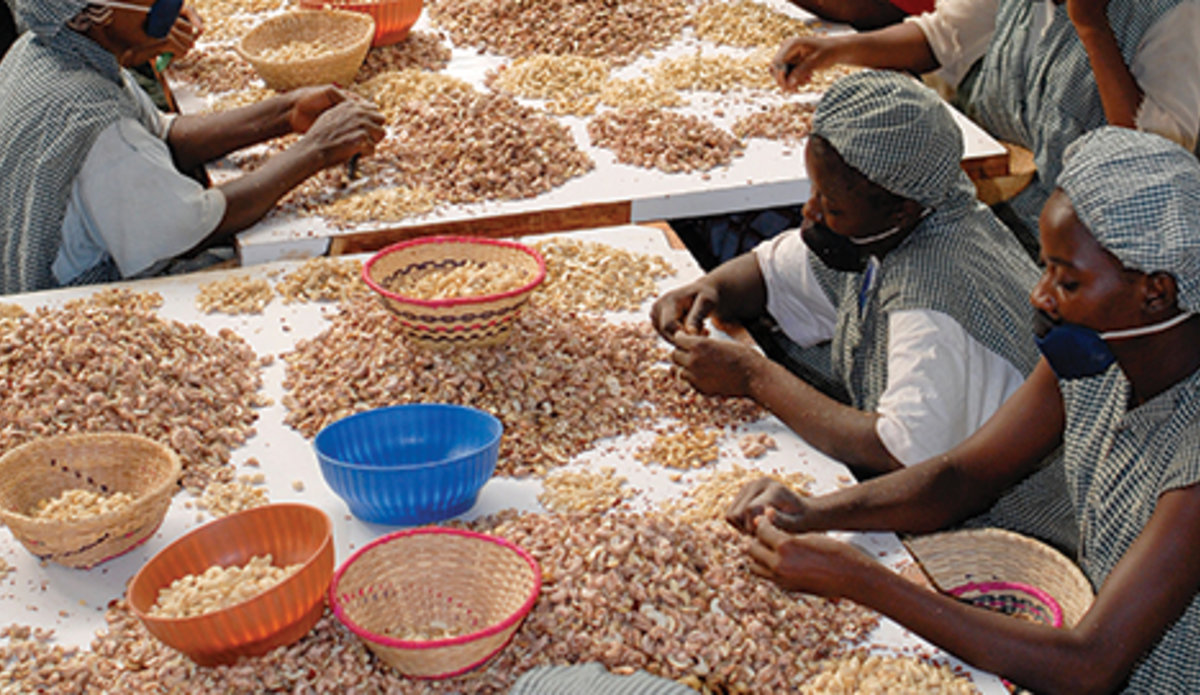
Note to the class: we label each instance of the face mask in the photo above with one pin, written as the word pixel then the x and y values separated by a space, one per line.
pixel 836 251
pixel 160 16
pixel 1077 352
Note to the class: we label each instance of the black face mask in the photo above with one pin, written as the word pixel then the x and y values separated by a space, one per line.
pixel 836 251
pixel 843 253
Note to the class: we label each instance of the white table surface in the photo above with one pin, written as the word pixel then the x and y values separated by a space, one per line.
pixel 72 601
pixel 768 174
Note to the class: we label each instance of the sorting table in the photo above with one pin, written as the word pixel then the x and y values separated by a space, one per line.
pixel 769 173
pixel 72 602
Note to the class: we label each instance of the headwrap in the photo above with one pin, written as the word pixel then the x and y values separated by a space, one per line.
pixel 1139 195
pixel 897 133
pixel 48 17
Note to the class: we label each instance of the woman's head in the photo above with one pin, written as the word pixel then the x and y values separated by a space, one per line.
pixel 884 151
pixel 1121 236
pixel 133 30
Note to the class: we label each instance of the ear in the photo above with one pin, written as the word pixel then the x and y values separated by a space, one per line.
pixel 1159 293
pixel 908 213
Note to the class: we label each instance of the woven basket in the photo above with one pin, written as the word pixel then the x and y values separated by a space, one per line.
pixel 347 34
pixel 1005 571
pixel 461 321
pixel 100 463
pixel 476 587
pixel 393 18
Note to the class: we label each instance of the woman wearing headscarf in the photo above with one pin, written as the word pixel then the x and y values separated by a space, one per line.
pixel 919 288
pixel 91 188
pixel 1039 73
pixel 1119 389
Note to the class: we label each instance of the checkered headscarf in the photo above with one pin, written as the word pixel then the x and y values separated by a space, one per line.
pixel 1139 195
pixel 897 133
pixel 48 17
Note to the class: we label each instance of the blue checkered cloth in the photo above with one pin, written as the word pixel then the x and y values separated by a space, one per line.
pixel 897 133
pixel 1139 195
pixel 47 17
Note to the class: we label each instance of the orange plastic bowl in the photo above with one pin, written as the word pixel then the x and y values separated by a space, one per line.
pixel 291 533
pixel 393 18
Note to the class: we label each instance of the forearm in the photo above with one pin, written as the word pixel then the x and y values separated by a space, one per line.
pixel 1038 657
pixel 1119 91
pixel 251 196
pixel 741 292
pixel 195 140
pixel 898 47
pixel 839 431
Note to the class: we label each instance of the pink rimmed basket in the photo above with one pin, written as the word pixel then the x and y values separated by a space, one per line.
pixel 475 587
pixel 103 463
pixel 1005 571
pixel 481 320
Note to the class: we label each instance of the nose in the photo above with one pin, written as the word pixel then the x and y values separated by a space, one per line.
pixel 1042 298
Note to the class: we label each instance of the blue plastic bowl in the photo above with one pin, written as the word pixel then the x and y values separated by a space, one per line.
pixel 406 465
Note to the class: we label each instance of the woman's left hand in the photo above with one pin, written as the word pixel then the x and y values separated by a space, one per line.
pixel 308 103
pixel 812 563
pixel 1088 14
pixel 715 367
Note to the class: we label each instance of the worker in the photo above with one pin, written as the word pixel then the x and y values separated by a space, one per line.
pixel 921 290
pixel 91 188
pixel 1119 389
pixel 1038 74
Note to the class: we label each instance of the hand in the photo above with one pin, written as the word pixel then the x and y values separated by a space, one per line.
pixel 684 309
pixel 798 58
pixel 1088 14
pixel 755 498
pixel 308 103
pixel 348 129
pixel 812 563
pixel 184 33
pixel 716 367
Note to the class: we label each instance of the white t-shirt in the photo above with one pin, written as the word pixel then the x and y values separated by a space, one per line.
pixel 942 383
pixel 129 201
pixel 1166 64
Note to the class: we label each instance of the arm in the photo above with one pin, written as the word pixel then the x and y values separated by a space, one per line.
pixel 346 130
pixel 1150 587
pixel 899 47
pixel 1119 91
pixel 936 493
pixel 734 292
pixel 198 139
pixel 731 369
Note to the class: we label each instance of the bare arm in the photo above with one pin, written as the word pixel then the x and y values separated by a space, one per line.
pixel 733 292
pixel 731 369
pixel 898 47
pixel 1146 592
pixel 1119 91
pixel 201 138
pixel 935 493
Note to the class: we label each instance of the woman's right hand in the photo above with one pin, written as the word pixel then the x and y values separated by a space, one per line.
pixel 350 128
pixel 755 498
pixel 799 57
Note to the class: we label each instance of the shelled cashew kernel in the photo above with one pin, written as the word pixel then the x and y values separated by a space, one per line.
pixel 77 504
pixel 239 294
pixel 219 587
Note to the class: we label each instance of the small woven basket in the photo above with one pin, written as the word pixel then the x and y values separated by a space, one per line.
pixel 393 18
pixel 435 580
pixel 1005 571
pixel 460 321
pixel 347 35
pixel 100 463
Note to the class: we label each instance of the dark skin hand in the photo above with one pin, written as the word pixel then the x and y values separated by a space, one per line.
pixel 1150 586
pixel 897 47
